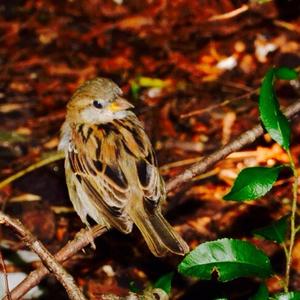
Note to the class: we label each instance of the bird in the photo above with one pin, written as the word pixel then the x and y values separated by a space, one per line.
pixel 111 168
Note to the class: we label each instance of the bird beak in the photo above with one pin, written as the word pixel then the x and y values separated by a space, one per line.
pixel 120 104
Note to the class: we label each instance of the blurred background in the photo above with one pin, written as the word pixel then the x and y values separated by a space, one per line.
pixel 192 68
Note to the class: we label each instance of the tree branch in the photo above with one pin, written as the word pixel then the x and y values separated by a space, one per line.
pixel 46 257
pixel 6 286
pixel 245 139
pixel 82 239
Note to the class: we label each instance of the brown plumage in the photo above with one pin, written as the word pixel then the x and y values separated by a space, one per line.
pixel 111 168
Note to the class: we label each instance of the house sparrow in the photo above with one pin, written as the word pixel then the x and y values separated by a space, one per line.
pixel 111 169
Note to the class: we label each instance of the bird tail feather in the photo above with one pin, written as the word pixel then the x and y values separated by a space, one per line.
pixel 159 235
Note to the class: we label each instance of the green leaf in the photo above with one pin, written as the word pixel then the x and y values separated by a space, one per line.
pixel 228 258
pixel 276 231
pixel 286 73
pixel 287 296
pixel 253 183
pixel 261 294
pixel 262 1
pixel 151 82
pixel 146 82
pixel 135 89
pixel 165 282
pixel 274 121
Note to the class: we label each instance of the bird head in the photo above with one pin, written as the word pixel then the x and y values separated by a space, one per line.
pixel 97 101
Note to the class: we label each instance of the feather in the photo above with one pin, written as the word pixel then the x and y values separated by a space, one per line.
pixel 157 232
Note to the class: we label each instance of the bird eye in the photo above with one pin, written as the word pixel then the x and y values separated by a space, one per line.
pixel 97 104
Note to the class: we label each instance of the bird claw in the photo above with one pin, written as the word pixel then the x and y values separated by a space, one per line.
pixel 90 238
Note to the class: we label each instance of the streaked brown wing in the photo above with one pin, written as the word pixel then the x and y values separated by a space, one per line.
pixel 141 149
pixel 103 158
pixel 105 184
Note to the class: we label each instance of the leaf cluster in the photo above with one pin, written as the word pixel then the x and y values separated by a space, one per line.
pixel 228 259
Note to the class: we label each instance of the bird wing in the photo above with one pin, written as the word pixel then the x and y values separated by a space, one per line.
pixel 106 159
pixel 137 146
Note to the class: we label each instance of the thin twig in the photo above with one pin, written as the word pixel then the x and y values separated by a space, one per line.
pixel 285 249
pixel 81 240
pixel 46 257
pixel 189 161
pixel 230 14
pixel 286 25
pixel 201 111
pixel 293 229
pixel 246 138
pixel 179 163
pixel 7 292
pixel 218 105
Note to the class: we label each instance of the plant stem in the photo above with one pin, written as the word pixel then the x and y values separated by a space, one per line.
pixel 285 249
pixel 293 229
pixel 39 164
